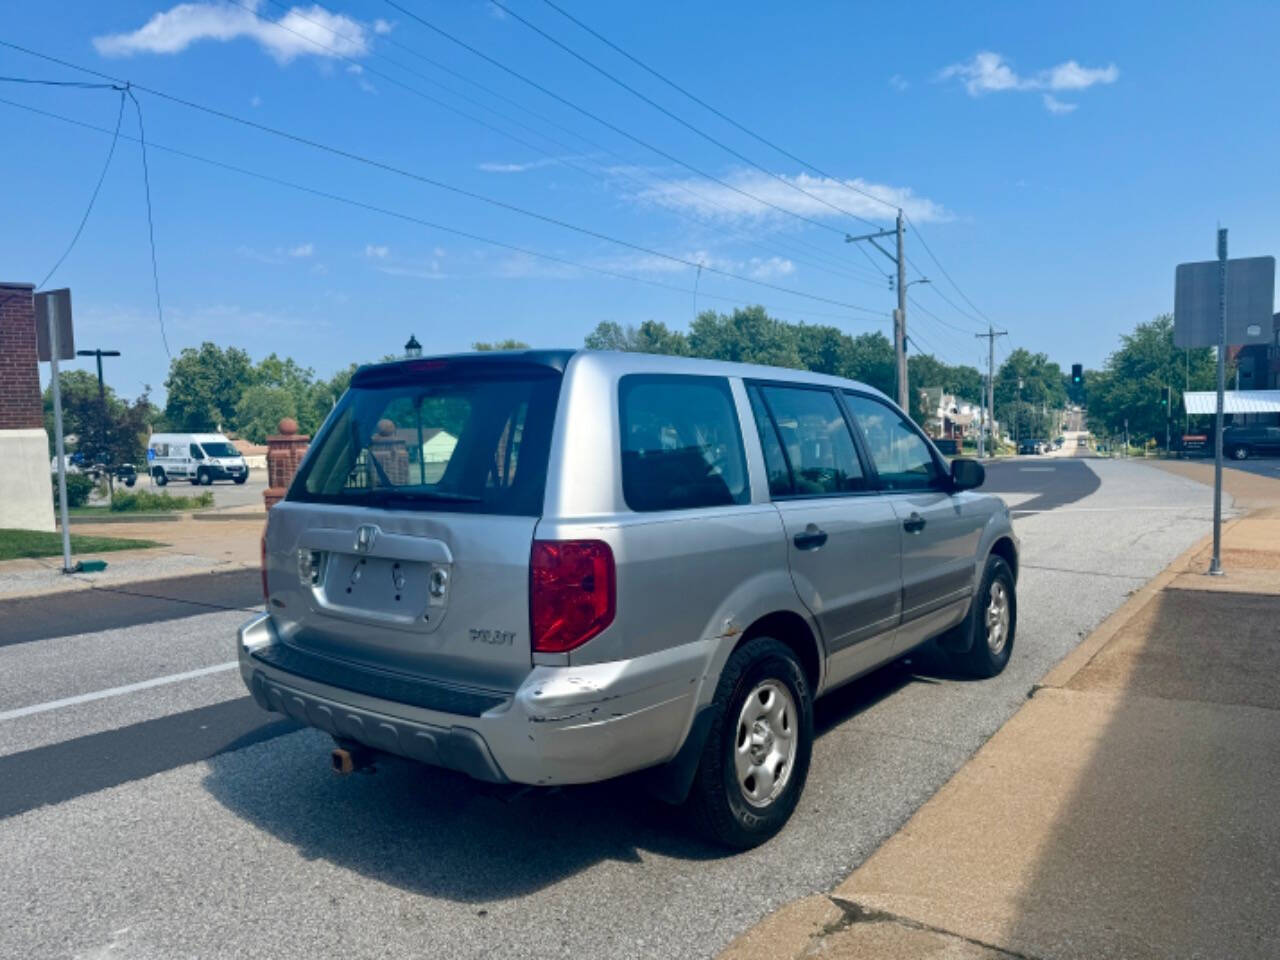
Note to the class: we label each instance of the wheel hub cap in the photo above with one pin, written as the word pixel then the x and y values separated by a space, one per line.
pixel 997 617
pixel 765 746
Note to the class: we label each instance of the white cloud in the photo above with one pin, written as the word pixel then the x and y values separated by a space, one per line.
pixel 381 27
pixel 515 167
pixel 302 31
pixel 899 82
pixel 989 72
pixel 255 101
pixel 716 202
pixel 374 251
pixel 302 250
pixel 1054 105
pixel 769 268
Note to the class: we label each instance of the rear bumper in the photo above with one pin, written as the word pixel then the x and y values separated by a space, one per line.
pixel 563 725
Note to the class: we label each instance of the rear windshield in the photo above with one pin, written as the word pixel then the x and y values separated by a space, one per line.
pixel 473 442
pixel 220 450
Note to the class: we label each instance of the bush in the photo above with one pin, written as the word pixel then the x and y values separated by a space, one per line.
pixel 144 501
pixel 79 486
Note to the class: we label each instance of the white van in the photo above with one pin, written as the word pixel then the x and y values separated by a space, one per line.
pixel 198 457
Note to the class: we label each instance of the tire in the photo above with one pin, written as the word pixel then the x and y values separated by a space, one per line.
pixel 759 675
pixel 240 481
pixel 131 481
pixel 203 477
pixel 989 652
pixel 1239 453
pixel 159 476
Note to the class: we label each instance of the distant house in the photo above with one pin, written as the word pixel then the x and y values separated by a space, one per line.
pixel 949 417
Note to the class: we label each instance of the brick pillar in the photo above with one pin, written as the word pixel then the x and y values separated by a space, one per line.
pixel 26 495
pixel 284 453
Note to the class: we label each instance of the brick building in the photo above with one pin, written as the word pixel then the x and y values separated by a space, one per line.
pixel 26 498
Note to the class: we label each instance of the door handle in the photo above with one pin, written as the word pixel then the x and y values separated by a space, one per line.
pixel 811 539
pixel 913 523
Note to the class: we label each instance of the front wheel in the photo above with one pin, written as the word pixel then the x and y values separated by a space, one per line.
pixel 240 480
pixel 756 758
pixel 992 621
pixel 1239 453
pixel 160 477
pixel 204 477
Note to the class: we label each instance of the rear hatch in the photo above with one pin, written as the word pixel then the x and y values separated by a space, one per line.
pixel 403 545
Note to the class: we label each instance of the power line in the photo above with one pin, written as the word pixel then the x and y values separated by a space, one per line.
pixel 151 226
pixel 439 184
pixel 115 138
pixel 678 119
pixel 751 133
pixel 723 116
pixel 400 215
pixel 333 51
pixel 606 123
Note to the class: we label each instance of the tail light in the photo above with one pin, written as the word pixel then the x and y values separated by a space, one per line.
pixel 266 594
pixel 572 594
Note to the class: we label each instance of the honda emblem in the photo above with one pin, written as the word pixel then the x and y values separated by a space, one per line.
pixel 366 534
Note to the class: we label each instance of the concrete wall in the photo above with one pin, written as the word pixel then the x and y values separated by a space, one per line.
pixel 26 493
pixel 26 498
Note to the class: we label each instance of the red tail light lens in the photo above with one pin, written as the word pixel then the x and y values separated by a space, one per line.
pixel 572 594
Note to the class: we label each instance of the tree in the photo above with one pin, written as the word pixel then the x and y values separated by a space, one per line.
pixel 261 408
pixel 651 336
pixel 112 432
pixel 1029 410
pixel 748 335
pixel 1133 381
pixel 204 385
pixel 507 344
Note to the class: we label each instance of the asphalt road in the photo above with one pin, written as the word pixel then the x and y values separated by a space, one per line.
pixel 176 819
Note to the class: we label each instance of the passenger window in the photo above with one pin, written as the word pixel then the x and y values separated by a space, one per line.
pixel 816 440
pixel 901 456
pixel 681 446
pixel 775 464
pixel 196 452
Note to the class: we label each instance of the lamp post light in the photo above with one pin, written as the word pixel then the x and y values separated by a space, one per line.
pixel 413 348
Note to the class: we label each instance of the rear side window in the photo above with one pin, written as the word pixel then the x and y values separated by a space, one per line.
pixel 901 456
pixel 681 445
pixel 816 440
pixel 473 441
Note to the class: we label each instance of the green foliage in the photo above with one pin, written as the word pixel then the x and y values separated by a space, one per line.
pixel 145 501
pixel 79 486
pixel 507 344
pixel 204 386
pixel 1131 385
pixel 1029 410
pixel 650 337
pixel 108 429
pixel 260 409
pixel 43 543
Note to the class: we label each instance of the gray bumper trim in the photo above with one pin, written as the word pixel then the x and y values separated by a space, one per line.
pixel 456 748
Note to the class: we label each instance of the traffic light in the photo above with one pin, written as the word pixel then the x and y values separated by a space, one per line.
pixel 1077 374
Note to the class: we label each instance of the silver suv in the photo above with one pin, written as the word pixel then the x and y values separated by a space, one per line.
pixel 556 567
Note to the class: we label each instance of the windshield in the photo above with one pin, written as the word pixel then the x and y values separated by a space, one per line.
pixel 449 441
pixel 217 449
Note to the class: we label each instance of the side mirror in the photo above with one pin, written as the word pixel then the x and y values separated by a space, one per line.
pixel 967 474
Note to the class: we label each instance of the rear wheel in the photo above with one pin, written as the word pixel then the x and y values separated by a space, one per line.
pixel 756 757
pixel 992 621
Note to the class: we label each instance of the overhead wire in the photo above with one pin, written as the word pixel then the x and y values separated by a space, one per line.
pixel 842 269
pixel 151 224
pixel 444 228
pixel 439 184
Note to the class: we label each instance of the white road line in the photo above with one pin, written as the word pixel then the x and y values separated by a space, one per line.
pixel 116 691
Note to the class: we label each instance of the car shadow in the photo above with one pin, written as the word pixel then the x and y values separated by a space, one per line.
pixel 435 832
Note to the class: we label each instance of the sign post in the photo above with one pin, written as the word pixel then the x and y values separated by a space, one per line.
pixel 1216 303
pixel 56 308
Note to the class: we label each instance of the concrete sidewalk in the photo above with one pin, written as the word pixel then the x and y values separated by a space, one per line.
pixel 1127 810
pixel 192 546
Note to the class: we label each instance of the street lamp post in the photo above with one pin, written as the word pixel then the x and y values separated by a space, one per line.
pixel 102 403
pixel 413 348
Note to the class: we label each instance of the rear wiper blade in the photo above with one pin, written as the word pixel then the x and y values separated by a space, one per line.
pixel 411 496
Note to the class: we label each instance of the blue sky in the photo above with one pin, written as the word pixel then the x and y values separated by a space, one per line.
pixel 1059 160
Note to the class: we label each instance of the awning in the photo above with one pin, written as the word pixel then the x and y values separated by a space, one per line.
pixel 1233 401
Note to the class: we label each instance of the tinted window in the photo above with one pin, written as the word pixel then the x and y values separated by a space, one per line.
pixel 816 440
pixel 901 456
pixel 196 452
pixel 464 440
pixel 775 463
pixel 681 447
pixel 219 449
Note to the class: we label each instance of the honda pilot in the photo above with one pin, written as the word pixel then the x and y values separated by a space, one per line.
pixel 558 567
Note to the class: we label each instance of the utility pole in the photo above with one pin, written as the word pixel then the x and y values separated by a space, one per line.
pixel 102 399
pixel 990 336
pixel 900 314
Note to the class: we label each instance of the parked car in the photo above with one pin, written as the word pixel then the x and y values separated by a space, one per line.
pixel 623 563
pixel 198 457
pixel 1243 442
pixel 1028 447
